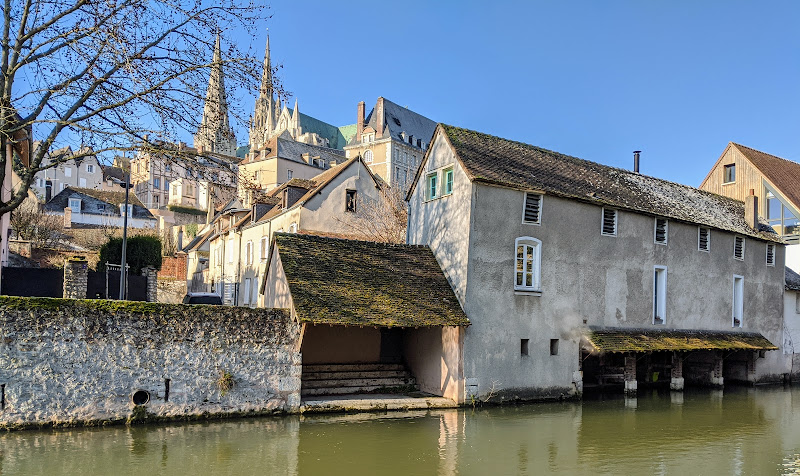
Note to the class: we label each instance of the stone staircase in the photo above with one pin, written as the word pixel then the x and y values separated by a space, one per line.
pixel 345 379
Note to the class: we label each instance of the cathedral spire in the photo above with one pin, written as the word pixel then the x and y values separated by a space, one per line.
pixel 215 133
pixel 264 115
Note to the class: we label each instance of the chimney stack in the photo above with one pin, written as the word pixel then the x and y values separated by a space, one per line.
pixel 380 121
pixel 636 160
pixel 751 210
pixel 360 121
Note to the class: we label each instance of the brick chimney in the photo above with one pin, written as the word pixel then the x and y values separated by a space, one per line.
pixel 360 121
pixel 379 119
pixel 751 210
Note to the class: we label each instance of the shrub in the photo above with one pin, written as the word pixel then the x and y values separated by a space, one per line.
pixel 142 251
pixel 186 210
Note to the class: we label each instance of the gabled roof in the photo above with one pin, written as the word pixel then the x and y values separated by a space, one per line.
pixel 347 282
pixel 506 163
pixel 784 174
pixel 293 150
pixel 399 119
pixel 115 199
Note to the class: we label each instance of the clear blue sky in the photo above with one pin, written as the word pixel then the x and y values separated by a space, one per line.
pixel 595 79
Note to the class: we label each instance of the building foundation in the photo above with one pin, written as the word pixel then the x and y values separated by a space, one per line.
pixel 676 382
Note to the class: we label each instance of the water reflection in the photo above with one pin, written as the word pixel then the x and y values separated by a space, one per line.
pixel 735 431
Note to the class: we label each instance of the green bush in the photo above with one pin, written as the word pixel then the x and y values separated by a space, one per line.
pixel 186 210
pixel 142 251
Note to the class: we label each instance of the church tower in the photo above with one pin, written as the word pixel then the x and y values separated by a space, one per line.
pixel 264 120
pixel 215 133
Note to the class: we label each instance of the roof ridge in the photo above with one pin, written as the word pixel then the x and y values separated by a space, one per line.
pixel 314 237
pixel 765 153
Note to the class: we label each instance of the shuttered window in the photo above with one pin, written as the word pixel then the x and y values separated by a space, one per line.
pixel 533 208
pixel 738 248
pixel 703 243
pixel 609 225
pixel 770 254
pixel 661 231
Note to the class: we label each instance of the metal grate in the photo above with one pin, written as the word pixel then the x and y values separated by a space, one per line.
pixel 533 204
pixel 609 222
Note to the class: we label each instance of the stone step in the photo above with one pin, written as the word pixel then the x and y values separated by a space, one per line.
pixel 355 390
pixel 355 374
pixel 350 367
pixel 359 382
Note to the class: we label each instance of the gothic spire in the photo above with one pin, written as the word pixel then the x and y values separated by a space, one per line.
pixel 215 133
pixel 264 115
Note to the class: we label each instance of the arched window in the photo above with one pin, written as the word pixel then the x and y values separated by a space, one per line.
pixel 368 157
pixel 528 261
pixel 293 228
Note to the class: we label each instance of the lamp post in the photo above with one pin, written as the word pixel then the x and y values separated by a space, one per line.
pixel 122 274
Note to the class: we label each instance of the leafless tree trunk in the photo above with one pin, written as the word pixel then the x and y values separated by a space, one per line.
pixel 383 220
pixel 113 75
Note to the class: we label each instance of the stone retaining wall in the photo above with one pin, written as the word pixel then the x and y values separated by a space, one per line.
pixel 77 362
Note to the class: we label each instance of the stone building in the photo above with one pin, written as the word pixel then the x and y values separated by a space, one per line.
pixel 775 182
pixel 575 274
pixel 75 169
pixel 215 133
pixel 392 139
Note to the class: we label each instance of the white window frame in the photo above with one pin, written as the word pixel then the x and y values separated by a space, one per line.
pixel 603 219
pixel 774 250
pixel 655 231
pixel 248 252
pixel 368 156
pixel 660 291
pixel 75 210
pixel 525 204
pixel 293 227
pixel 536 268
pixel 737 310
pixel 708 239
pixel 90 168
pixel 264 248
pixel 735 237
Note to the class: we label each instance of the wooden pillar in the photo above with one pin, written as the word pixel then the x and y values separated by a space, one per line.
pixel 676 383
pixel 631 385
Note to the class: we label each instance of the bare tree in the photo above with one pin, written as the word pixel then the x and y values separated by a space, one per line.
pixel 30 223
pixel 383 220
pixel 114 75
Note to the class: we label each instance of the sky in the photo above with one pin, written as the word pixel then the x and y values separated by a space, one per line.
pixel 597 80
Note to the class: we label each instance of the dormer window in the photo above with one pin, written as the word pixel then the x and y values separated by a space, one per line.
pixel 75 205
pixel 122 210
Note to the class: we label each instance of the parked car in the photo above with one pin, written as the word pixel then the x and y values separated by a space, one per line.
pixel 202 298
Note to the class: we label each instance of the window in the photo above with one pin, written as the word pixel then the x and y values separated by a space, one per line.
pixel 608 226
pixel 90 168
pixel 781 218
pixel 703 239
pixel 248 252
pixel 532 210
pixel 660 295
pixel 738 300
pixel 61 186
pixel 368 157
pixel 528 264
pixel 289 174
pixel 122 210
pixel 553 346
pixel 770 254
pixel 67 171
pixel 448 181
pixel 82 182
pixel 730 173
pixel 230 250
pixel 738 248
pixel 157 183
pixel 293 228
pixel 156 200
pixel 660 236
pixel 523 346
pixel 432 188
pixel 166 185
pixel 350 201
pixel 264 241
pixel 75 205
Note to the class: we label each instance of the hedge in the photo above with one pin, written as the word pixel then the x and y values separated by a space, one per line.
pixel 142 251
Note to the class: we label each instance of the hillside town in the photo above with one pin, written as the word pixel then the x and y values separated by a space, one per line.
pixel 395 262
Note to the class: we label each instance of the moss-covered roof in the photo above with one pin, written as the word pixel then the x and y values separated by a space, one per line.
pixel 362 283
pixel 636 340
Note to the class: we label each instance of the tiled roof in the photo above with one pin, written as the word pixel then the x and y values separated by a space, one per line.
pixel 792 280
pixel 636 340
pixel 347 282
pixel 785 174
pixel 512 164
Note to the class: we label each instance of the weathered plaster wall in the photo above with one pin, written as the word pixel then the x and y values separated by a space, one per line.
pixel 73 361
pixel 433 355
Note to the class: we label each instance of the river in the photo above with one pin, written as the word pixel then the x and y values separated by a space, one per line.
pixel 738 431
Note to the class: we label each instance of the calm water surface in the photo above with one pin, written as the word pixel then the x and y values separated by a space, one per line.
pixel 738 431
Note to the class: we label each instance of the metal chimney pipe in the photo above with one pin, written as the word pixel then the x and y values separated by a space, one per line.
pixel 636 160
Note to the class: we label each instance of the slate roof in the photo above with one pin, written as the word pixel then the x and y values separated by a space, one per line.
pixel 636 340
pixel 91 197
pixel 497 161
pixel 348 282
pixel 785 174
pixel 116 173
pixel 398 119
pixel 293 150
pixel 792 280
